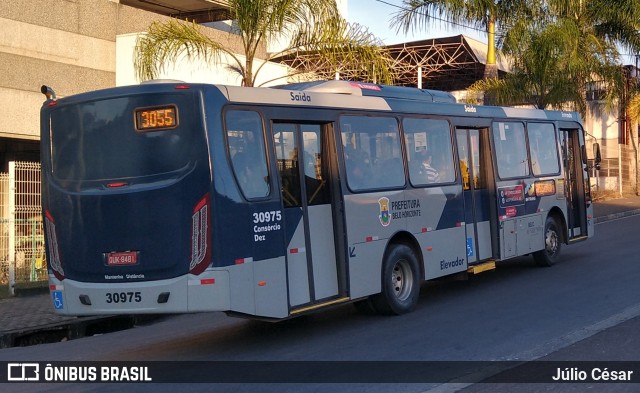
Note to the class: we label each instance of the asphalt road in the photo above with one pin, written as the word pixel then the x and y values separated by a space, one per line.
pixel 517 312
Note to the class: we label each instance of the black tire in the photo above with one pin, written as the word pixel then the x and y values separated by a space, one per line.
pixel 552 244
pixel 400 282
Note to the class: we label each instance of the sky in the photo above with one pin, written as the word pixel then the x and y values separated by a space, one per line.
pixel 376 16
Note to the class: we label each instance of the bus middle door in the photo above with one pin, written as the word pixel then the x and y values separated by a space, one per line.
pixel 475 166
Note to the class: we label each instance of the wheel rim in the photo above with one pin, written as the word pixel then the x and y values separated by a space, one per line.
pixel 402 280
pixel 551 242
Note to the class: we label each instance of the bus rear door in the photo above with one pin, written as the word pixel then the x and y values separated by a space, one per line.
pixel 314 276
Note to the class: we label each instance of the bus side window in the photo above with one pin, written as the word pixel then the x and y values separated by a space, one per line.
pixel 372 152
pixel 543 148
pixel 429 151
pixel 511 150
pixel 246 148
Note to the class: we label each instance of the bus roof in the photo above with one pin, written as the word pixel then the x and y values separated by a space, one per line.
pixel 371 89
pixel 344 95
pixel 357 95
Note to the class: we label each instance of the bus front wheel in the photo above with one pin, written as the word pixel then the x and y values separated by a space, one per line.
pixel 552 244
pixel 400 282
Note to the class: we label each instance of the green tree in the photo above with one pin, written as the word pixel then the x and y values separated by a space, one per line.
pixel 309 26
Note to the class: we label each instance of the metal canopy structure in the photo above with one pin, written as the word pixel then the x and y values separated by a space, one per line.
pixel 199 11
pixel 449 64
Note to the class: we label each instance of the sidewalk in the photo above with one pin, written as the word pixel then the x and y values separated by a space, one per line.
pixel 23 318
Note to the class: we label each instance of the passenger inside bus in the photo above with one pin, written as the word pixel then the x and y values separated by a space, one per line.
pixel 253 183
pixel 358 168
pixel 426 172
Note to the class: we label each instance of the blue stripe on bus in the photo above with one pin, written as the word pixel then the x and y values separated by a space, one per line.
pixel 453 213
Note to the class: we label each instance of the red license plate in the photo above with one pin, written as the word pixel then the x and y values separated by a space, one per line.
pixel 122 258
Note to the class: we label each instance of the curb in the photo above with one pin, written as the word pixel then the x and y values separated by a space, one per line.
pixel 616 216
pixel 73 329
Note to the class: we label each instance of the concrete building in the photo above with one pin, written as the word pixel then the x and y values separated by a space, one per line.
pixel 73 46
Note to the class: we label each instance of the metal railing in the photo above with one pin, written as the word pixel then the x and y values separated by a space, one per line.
pixel 22 256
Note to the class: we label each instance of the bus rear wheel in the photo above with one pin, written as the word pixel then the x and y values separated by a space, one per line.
pixel 400 282
pixel 552 244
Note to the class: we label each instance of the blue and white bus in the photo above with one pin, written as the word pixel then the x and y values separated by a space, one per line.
pixel 171 197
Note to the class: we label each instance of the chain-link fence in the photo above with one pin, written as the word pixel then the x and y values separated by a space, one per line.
pixel 22 257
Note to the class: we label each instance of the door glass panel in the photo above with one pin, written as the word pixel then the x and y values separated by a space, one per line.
pixel 479 176
pixel 287 157
pixel 315 171
pixel 463 155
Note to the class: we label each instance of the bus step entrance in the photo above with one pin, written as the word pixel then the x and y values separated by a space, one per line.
pixel 320 305
pixel 482 267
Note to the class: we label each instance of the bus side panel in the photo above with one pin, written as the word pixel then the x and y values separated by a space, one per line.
pixel 529 234
pixel 241 288
pixel 370 223
pixel 365 268
pixel 508 236
pixel 209 294
pixel 444 252
pixel 270 293
pixel 523 214
pixel 436 224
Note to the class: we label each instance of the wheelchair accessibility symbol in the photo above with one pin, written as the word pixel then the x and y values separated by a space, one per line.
pixel 469 247
pixel 58 302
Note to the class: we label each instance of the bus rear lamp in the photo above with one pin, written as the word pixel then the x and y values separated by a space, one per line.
pixel 54 254
pixel 200 236
pixel 117 184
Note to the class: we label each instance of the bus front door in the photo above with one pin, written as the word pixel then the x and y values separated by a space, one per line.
pixel 302 152
pixel 475 167
pixel 574 174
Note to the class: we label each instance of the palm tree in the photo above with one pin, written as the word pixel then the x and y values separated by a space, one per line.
pixel 634 107
pixel 483 14
pixel 310 26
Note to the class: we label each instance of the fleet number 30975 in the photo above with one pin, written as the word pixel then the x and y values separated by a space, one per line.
pixel 124 297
